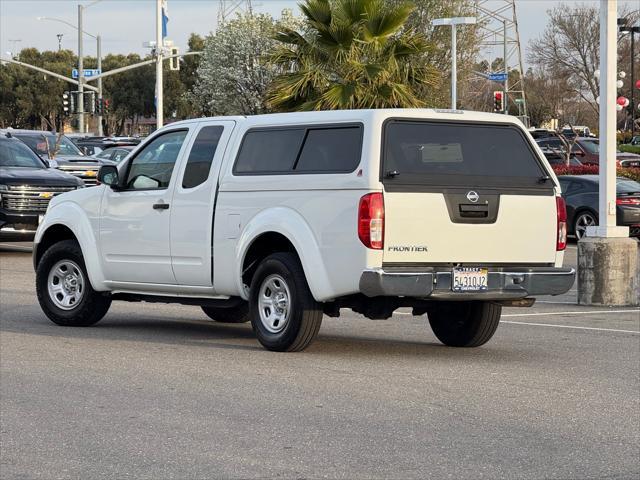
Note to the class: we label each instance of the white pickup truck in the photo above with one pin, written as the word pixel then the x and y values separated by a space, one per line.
pixel 281 219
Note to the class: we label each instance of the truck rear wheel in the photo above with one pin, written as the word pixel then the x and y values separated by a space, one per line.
pixel 63 288
pixel 239 314
pixel 284 315
pixel 464 324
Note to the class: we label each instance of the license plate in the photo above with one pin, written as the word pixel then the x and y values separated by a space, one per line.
pixel 470 279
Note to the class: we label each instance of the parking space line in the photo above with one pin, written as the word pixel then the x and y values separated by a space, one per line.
pixel 571 327
pixel 606 312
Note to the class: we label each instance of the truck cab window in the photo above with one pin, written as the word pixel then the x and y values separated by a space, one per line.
pixel 152 167
pixel 201 156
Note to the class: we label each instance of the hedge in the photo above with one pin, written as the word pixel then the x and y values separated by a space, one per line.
pixel 629 148
pixel 628 172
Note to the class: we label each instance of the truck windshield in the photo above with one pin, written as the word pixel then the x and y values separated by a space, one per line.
pixel 458 154
pixel 15 154
pixel 37 143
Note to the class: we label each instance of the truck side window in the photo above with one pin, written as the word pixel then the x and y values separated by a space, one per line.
pixel 152 166
pixel 269 151
pixel 331 150
pixel 201 156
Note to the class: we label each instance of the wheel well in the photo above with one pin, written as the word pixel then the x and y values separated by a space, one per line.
pixel 53 235
pixel 263 246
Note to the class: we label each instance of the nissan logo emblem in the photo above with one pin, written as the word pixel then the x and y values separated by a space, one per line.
pixel 473 196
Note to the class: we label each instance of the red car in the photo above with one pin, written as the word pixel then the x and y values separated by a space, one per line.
pixel 587 150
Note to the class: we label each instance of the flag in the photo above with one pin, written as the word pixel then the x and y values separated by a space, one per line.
pixel 165 18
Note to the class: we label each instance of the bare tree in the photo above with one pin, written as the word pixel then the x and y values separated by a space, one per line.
pixel 570 48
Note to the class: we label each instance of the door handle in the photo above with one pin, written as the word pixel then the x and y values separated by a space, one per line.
pixel 161 206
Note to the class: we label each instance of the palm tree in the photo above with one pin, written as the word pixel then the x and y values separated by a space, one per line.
pixel 351 54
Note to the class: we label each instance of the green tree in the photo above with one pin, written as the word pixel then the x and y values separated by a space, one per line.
pixel 29 99
pixel 351 54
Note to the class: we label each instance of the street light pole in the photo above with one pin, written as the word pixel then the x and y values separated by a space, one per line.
pixel 159 53
pixel 80 74
pixel 453 23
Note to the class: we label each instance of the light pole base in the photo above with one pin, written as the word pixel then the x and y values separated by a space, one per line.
pixel 608 271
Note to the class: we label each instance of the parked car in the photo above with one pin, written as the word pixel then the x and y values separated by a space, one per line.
pixel 581 196
pixel 68 157
pixel 92 146
pixel 587 150
pixel 578 130
pixel 277 219
pixel 538 133
pixel 115 154
pixel 635 140
pixel 555 156
pixel 27 184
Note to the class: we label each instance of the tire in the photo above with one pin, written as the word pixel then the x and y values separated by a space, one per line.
pixel 464 324
pixel 239 314
pixel 292 324
pixel 63 269
pixel 583 220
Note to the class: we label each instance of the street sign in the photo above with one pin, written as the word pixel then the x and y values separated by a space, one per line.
pixel 498 77
pixel 519 100
pixel 88 72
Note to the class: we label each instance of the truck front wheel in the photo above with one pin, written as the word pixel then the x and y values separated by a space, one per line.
pixel 284 315
pixel 63 288
pixel 464 324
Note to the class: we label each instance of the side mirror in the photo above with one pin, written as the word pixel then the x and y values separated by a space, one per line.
pixel 108 174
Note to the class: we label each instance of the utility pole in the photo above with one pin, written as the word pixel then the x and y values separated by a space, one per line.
pixel 99 45
pixel 60 35
pixel 80 74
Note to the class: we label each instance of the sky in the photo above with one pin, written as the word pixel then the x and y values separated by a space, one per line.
pixel 126 24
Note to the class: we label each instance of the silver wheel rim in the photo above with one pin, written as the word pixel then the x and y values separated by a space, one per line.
pixel 66 284
pixel 274 303
pixel 585 220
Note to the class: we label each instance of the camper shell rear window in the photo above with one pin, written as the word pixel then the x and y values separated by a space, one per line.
pixel 457 154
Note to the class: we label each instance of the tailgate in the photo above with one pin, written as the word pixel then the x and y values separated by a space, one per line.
pixel 465 193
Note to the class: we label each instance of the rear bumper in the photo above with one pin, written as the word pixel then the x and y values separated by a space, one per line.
pixel 435 283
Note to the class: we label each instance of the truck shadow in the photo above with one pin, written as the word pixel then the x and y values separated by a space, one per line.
pixel 188 332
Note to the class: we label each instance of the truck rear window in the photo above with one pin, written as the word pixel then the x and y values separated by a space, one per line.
pixel 458 154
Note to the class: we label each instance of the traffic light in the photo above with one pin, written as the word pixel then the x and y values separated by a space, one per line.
pixel 98 106
pixel 66 103
pixel 174 62
pixel 498 101
pixel 105 106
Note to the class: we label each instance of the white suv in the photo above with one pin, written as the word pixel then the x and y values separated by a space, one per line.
pixel 280 219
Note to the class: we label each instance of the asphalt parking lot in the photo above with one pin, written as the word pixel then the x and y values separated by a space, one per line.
pixel 158 391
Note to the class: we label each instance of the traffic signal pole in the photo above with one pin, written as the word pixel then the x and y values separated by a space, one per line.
pixel 505 97
pixel 159 54
pixel 99 44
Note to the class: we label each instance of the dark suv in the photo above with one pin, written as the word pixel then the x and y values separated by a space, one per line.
pixel 26 186
pixel 61 153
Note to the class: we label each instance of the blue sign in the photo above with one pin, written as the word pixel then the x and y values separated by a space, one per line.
pixel 498 77
pixel 88 72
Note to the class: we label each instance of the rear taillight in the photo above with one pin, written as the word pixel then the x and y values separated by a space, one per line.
pixel 627 201
pixel 371 221
pixel 561 208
